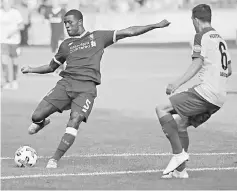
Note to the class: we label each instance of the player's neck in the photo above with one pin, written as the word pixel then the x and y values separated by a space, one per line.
pixel 204 26
pixel 82 31
pixel 80 34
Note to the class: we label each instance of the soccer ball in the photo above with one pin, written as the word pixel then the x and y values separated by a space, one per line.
pixel 25 157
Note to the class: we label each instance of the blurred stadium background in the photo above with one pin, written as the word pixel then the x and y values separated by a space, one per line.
pixel 116 14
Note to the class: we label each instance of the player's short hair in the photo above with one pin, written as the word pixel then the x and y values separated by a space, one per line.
pixel 76 13
pixel 202 12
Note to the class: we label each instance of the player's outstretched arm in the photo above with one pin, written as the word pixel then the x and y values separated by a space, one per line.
pixel 41 69
pixel 138 30
pixel 189 74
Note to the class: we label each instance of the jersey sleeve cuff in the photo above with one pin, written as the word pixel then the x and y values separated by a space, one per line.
pixel 114 36
pixel 55 60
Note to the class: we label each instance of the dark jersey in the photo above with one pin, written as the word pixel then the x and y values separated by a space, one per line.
pixel 83 55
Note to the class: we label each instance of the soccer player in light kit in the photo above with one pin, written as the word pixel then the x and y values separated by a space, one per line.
pixel 211 61
pixel 11 22
pixel 77 88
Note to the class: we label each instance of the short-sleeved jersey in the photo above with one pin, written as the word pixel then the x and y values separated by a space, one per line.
pixel 9 21
pixel 83 55
pixel 212 49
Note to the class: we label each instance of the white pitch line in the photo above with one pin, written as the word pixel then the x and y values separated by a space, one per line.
pixel 109 173
pixel 129 155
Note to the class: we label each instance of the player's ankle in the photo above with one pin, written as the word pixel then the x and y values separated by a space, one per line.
pixel 181 167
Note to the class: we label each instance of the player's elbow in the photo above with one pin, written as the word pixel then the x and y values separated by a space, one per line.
pixel 51 69
pixel 131 33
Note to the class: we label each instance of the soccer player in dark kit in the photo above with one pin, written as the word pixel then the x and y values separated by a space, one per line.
pixel 77 88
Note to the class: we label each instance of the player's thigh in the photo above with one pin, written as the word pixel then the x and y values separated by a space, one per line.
pixel 58 97
pixel 164 108
pixel 182 124
pixel 189 104
pixel 43 110
pixel 83 104
pixel 14 50
pixel 201 118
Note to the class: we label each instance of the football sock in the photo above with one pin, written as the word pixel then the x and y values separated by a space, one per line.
pixel 15 71
pixel 184 139
pixel 169 126
pixel 66 142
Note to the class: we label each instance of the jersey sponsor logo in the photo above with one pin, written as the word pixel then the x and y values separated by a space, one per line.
pixel 83 45
pixel 197 48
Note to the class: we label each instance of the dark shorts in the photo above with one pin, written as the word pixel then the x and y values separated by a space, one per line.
pixel 11 50
pixel 71 94
pixel 192 107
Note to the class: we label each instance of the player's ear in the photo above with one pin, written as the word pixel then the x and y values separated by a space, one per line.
pixel 197 20
pixel 80 22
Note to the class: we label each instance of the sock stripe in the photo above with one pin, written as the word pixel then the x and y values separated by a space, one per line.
pixel 71 131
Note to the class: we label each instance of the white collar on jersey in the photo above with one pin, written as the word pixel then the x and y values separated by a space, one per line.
pixel 83 34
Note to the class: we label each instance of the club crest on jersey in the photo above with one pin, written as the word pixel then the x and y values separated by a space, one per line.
pixel 197 48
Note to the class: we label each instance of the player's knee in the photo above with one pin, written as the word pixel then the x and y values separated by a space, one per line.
pixel 182 124
pixel 75 119
pixel 159 109
pixel 162 110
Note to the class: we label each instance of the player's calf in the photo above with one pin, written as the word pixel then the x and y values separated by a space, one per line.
pixel 183 136
pixel 169 127
pixel 69 136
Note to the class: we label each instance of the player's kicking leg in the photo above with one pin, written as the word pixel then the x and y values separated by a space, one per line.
pixel 67 139
pixel 170 128
pixel 39 116
pixel 80 109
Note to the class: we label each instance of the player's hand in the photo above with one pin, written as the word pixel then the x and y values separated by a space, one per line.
pixel 163 24
pixel 171 88
pixel 25 69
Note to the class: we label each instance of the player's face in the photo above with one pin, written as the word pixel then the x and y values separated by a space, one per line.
pixel 72 25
